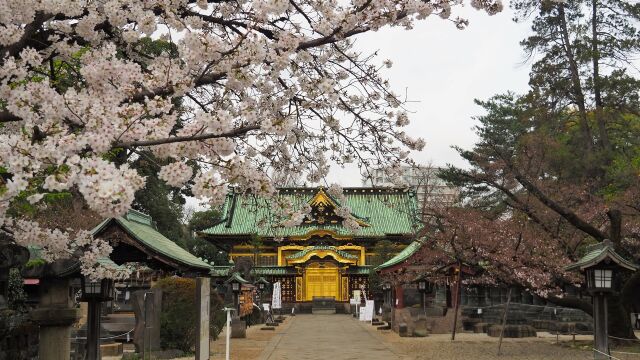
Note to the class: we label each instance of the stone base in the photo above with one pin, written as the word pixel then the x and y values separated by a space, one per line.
pixel 420 333
pixel 238 329
pixel 323 311
pixel 403 330
pixel 114 349
pixel 480 328
pixel 323 306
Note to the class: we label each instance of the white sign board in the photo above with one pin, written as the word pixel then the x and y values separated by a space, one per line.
pixel 354 301
pixel 276 300
pixel 368 311
pixel 265 306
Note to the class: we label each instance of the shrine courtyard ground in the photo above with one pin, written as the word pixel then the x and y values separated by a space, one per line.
pixel 341 337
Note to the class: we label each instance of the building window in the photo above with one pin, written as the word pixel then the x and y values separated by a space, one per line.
pixel 267 260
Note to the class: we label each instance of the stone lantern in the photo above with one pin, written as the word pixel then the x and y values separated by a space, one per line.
pixel 261 284
pixel 600 267
pixel 235 281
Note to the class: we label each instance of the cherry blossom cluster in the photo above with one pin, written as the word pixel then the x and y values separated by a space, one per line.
pixel 176 173
pixel 242 89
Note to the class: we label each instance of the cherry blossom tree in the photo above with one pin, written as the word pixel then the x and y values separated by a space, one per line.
pixel 242 89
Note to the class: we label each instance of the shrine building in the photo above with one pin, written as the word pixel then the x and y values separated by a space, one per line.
pixel 320 257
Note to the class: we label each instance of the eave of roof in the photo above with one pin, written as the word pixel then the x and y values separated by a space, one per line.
pixel 599 254
pixel 140 227
pixel 403 255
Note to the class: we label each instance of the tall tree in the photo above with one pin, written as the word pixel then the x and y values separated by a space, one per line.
pixel 165 204
pixel 537 209
pixel 201 220
pixel 556 169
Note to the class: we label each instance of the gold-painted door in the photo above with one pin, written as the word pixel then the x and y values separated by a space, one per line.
pixel 322 282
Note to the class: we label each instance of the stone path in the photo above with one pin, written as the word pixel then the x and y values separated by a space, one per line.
pixel 333 337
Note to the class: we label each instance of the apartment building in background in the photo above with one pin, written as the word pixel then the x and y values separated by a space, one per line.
pixel 430 189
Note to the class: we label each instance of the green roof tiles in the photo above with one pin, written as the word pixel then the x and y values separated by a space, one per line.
pixel 401 256
pixel 387 211
pixel 237 277
pixel 140 227
pixel 598 253
pixel 304 252
pixel 359 270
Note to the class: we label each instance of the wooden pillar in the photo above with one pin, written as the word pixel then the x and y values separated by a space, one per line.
pixel 93 330
pixel 600 331
pixel 203 300
pixel 399 297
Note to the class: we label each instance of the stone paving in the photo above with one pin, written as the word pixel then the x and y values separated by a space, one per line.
pixel 333 337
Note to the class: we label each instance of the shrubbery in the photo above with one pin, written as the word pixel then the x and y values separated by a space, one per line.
pixel 179 314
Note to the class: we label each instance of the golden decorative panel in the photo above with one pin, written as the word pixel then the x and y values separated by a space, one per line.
pixel 345 288
pixel 299 289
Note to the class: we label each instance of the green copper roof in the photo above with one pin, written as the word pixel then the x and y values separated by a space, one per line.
pixel 237 277
pixel 387 211
pixel 401 256
pixel 140 227
pixel 304 252
pixel 598 253
pixel 359 270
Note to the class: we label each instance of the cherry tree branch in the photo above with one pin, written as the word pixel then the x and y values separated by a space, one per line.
pixel 234 133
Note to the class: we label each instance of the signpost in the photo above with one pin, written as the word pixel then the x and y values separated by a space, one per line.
pixel 228 310
pixel 276 299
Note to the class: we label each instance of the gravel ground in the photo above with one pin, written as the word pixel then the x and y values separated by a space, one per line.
pixel 481 347
pixel 467 346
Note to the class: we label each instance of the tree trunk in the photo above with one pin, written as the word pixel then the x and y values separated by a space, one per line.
pixel 615 230
pixel 457 305
pixel 619 325
pixel 504 320
pixel 575 82
pixel 595 58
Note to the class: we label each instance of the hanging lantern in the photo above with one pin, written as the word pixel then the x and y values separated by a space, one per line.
pixel 99 290
pixel 599 279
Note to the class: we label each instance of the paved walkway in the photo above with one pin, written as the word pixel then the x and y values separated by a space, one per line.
pixel 333 337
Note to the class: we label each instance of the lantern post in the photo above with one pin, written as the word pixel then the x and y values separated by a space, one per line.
pixel 601 266
pixel 94 292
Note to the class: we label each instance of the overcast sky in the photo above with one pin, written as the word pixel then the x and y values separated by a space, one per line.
pixel 442 69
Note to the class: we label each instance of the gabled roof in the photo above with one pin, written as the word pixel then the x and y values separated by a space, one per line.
pixel 238 278
pixel 599 253
pixel 382 211
pixel 401 256
pixel 140 227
